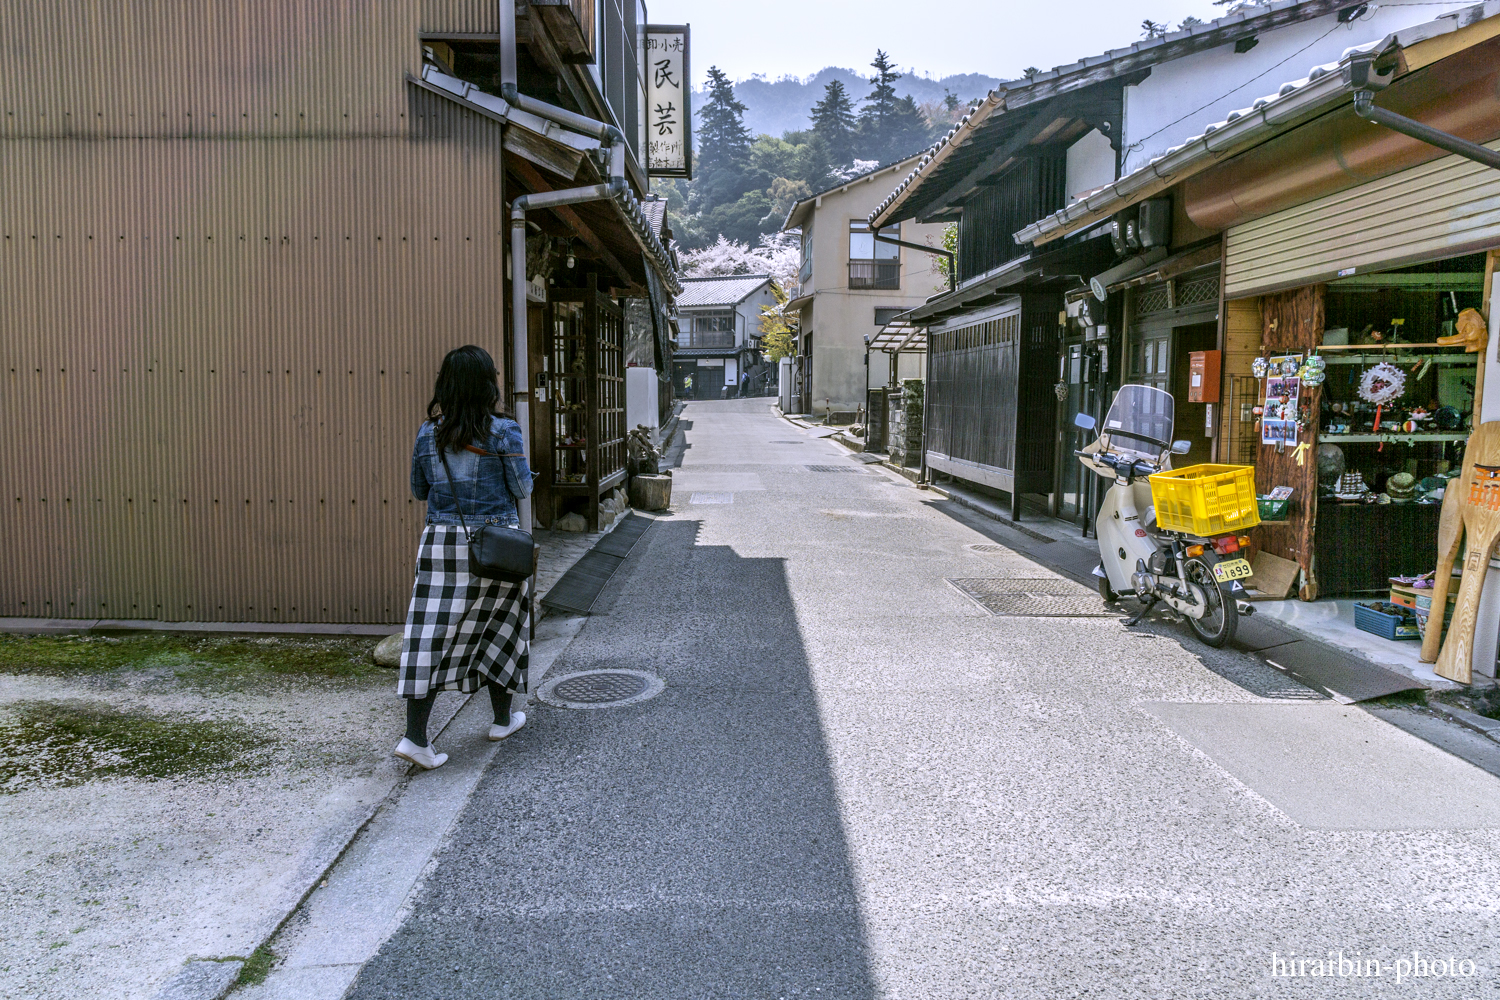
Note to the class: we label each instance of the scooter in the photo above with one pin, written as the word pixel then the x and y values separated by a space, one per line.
pixel 1197 577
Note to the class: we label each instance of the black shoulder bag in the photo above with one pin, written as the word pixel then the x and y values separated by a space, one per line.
pixel 495 551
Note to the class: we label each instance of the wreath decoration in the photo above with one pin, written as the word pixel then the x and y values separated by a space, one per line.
pixel 1382 384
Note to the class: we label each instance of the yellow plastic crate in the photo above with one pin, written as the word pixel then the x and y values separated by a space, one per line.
pixel 1206 499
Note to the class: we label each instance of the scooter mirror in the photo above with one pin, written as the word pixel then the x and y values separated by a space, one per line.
pixel 1181 447
pixel 1084 421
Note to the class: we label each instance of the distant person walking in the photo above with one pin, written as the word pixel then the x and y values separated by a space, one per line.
pixel 744 384
pixel 464 632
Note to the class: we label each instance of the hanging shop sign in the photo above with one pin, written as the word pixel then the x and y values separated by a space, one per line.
pixel 669 134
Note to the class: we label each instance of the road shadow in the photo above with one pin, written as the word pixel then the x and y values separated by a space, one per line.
pixel 688 846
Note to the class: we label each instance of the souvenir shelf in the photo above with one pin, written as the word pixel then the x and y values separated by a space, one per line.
pixel 585 366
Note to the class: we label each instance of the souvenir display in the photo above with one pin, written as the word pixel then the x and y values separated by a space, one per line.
pixel 1351 487
pixel 1382 384
pixel 1330 463
pixel 1402 487
pixel 1259 367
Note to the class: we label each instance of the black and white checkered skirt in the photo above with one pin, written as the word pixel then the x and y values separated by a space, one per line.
pixel 462 631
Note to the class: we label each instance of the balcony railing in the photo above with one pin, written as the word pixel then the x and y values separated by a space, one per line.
pixel 878 274
pixel 707 338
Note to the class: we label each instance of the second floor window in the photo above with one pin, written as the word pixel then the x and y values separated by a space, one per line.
pixel 873 264
pixel 711 330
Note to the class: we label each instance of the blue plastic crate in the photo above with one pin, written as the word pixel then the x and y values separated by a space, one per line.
pixel 1389 621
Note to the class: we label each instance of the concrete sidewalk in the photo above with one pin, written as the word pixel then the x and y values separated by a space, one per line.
pixel 164 817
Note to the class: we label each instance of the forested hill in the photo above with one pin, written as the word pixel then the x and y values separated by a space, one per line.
pixel 778 106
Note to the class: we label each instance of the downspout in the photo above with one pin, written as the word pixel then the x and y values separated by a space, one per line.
pixel 518 209
pixel 949 254
pixel 1361 75
pixel 612 139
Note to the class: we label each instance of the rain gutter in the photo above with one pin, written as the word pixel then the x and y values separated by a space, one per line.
pixel 1194 156
pixel 949 254
pixel 1367 83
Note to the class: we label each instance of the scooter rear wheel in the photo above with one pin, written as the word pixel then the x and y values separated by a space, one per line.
pixel 1216 627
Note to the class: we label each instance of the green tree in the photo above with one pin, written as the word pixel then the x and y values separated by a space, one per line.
pixel 778 332
pixel 834 122
pixel 908 130
pixel 723 147
pixel 879 112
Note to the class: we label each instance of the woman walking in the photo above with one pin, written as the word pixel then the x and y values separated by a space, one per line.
pixel 463 631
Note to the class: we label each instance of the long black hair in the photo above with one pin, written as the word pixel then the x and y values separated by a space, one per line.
pixel 466 396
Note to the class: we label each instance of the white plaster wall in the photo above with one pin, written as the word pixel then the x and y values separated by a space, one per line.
pixel 1091 164
pixel 840 318
pixel 1203 88
pixel 641 399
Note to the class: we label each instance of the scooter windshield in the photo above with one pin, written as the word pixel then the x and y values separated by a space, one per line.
pixel 1139 422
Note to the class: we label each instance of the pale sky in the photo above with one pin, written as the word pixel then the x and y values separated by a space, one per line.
pixel 996 37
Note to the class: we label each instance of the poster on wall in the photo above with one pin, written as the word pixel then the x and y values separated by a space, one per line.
pixel 1278 425
pixel 669 136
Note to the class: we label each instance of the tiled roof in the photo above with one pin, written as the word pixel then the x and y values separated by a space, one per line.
pixel 655 210
pixel 710 352
pixel 729 291
pixel 1244 20
pixel 1264 118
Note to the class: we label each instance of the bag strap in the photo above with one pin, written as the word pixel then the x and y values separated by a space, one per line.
pixel 443 457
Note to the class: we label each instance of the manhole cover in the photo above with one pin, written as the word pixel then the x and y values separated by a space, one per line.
pixel 600 688
pixel 712 498
pixel 987 548
pixel 835 468
pixel 1034 598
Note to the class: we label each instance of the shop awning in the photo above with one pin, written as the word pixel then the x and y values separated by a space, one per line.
pixel 623 223
pixel 900 334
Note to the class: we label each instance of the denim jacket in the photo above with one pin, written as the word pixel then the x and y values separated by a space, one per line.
pixel 487 485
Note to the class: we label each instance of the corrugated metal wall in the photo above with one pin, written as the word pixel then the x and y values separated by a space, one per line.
pixel 462 17
pixel 234 245
pixel 1440 209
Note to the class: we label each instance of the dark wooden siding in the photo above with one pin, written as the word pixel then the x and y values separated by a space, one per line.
pixel 1032 189
pixel 990 395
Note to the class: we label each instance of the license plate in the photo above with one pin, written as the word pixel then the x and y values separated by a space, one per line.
pixel 1232 569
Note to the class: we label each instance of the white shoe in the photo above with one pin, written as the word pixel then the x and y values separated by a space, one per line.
pixel 425 757
pixel 517 720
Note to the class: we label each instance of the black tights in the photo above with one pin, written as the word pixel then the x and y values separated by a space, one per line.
pixel 419 710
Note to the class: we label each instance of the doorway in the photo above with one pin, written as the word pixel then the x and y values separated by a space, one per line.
pixel 1191 423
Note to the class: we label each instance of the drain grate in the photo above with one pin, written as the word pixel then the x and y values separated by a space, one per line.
pixel 987 548
pixel 836 468
pixel 600 688
pixel 1034 598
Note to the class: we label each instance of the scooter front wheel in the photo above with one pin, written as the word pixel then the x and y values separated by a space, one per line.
pixel 1216 627
pixel 1106 591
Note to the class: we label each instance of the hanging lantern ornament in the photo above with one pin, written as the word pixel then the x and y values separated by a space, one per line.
pixel 1259 367
pixel 1382 384
pixel 1289 366
pixel 1314 371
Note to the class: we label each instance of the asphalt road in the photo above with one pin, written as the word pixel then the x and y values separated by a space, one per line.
pixel 859 783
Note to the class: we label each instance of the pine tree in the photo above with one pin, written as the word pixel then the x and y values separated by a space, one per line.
pixel 723 145
pixel 876 119
pixel 834 122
